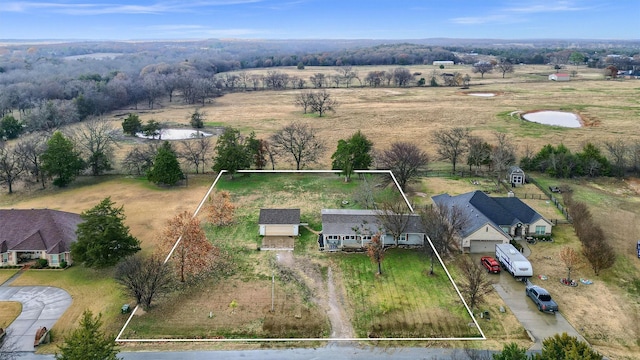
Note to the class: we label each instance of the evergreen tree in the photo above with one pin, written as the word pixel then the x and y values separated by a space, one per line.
pixel 565 347
pixel 10 127
pixel 197 120
pixel 103 239
pixel 352 154
pixel 231 152
pixel 131 124
pixel 61 160
pixel 511 351
pixel 166 168
pixel 88 342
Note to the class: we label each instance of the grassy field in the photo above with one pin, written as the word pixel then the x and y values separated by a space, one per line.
pixel 609 109
pixel 403 302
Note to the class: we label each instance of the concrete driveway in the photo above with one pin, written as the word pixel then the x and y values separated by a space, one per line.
pixel 540 325
pixel 41 306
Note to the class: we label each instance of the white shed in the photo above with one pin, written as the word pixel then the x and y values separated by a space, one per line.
pixel 279 222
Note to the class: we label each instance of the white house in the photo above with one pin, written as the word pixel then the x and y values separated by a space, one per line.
pixel 442 62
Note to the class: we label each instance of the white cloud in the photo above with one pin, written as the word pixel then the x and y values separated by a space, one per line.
pixel 114 8
pixel 515 14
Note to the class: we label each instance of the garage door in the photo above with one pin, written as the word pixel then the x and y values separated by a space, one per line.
pixel 278 230
pixel 484 246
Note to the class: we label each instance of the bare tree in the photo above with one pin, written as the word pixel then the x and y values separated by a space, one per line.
pixel 29 150
pixel 474 283
pixel 96 138
pixel 140 159
pixel 482 67
pixel 144 277
pixel 220 210
pixel 402 76
pixel 504 66
pixel 443 225
pixel 318 80
pixel 502 156
pixel 394 216
pixel 479 152
pixel 196 152
pixel 304 99
pixel 570 259
pixel 404 160
pixel 321 102
pixel 597 250
pixel 452 143
pixel 11 166
pixel 618 151
pixel 300 141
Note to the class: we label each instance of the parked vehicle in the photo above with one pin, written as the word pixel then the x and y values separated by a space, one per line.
pixel 541 298
pixel 490 264
pixel 514 262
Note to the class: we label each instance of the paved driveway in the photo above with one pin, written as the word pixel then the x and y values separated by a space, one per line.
pixel 41 306
pixel 540 325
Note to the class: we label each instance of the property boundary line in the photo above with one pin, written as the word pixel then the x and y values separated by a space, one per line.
pixel 404 196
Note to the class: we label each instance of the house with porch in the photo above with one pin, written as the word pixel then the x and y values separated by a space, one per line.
pixel 27 235
pixel 349 229
pixel 493 220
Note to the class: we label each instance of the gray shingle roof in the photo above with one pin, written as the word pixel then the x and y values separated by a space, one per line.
pixel 481 208
pixel 279 216
pixel 346 221
pixel 37 229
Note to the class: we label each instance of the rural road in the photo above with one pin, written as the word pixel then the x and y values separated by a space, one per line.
pixel 41 306
pixel 540 325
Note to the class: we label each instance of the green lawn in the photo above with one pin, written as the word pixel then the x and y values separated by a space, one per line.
pixel 403 302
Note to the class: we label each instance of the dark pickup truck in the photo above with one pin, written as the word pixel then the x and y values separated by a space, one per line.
pixel 541 298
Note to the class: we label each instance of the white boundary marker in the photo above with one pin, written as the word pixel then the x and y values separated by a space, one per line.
pixel 202 202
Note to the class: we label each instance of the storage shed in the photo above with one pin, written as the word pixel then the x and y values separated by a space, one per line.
pixel 279 222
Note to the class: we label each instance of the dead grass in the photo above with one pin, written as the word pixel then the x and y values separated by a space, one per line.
pixel 9 311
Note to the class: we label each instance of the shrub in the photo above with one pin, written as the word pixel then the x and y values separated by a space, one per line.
pixel 63 264
pixel 41 264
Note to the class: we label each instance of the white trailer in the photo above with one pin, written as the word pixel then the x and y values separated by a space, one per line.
pixel 513 261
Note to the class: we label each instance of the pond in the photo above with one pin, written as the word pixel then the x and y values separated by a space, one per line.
pixel 555 118
pixel 177 134
pixel 482 94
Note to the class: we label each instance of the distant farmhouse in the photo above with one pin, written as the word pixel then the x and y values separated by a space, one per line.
pixel 442 62
pixel 347 229
pixel 27 235
pixel 559 77
pixel 493 220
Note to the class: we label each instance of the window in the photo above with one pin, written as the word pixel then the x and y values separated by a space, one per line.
pixel 5 257
pixel 541 229
pixel 54 259
pixel 506 229
pixel 403 237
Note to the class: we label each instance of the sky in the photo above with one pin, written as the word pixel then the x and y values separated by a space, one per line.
pixel 319 19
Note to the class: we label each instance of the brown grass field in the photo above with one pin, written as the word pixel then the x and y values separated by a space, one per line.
pixel 606 313
pixel 9 311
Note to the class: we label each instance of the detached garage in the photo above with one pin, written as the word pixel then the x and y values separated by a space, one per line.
pixel 279 222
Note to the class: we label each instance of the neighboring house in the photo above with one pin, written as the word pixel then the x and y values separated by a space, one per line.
pixel 443 62
pixel 37 234
pixel 279 222
pixel 353 229
pixel 494 220
pixel 559 77
pixel 515 175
